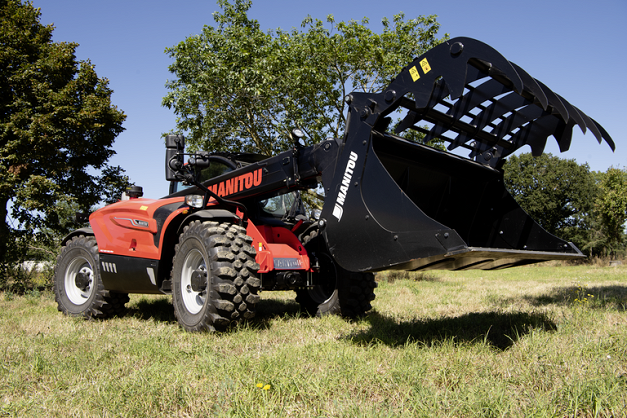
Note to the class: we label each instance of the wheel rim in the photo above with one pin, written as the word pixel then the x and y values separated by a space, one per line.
pixel 79 281
pixel 193 300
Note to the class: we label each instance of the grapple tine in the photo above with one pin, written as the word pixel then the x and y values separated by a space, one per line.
pixel 575 114
pixel 532 86
pixel 516 121
pixel 555 102
pixel 564 136
pixel 537 133
pixel 471 100
pixel 590 124
pixel 605 135
pixel 489 115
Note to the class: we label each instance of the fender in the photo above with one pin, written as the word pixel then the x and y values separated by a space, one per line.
pixel 208 214
pixel 87 231
pixel 172 227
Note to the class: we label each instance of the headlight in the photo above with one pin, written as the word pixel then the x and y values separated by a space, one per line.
pixel 194 200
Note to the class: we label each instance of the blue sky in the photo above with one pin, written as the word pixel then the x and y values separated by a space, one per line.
pixel 575 47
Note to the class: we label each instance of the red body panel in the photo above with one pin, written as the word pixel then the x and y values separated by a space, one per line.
pixel 129 227
pixel 274 244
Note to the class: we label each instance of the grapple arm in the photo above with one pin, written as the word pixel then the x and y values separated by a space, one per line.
pixel 467 94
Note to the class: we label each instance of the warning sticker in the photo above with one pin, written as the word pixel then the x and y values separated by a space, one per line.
pixel 415 75
pixel 143 208
pixel 425 66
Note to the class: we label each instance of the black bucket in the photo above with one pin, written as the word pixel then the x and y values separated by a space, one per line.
pixel 392 203
pixel 412 207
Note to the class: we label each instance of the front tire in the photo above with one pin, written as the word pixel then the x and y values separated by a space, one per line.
pixel 341 292
pixel 78 288
pixel 214 282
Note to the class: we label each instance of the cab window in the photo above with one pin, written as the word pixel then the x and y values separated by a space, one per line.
pixel 217 168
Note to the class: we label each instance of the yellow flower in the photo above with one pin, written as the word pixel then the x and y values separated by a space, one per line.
pixel 259 385
pixel 266 387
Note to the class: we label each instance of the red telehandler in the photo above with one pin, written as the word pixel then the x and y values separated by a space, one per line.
pixel 234 224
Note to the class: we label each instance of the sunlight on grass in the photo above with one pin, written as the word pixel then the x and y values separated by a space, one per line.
pixel 531 341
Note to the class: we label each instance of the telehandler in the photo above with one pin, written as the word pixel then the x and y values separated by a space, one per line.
pixel 234 224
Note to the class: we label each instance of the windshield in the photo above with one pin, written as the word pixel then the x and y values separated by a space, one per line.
pixel 278 206
pixel 217 168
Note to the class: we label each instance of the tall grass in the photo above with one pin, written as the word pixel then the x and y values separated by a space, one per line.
pixel 544 341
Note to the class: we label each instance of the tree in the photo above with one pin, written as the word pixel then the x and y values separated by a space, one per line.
pixel 239 88
pixel 57 127
pixel 611 208
pixel 559 194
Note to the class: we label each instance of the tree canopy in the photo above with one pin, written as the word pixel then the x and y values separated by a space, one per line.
pixel 611 209
pixel 238 88
pixel 558 193
pixel 57 128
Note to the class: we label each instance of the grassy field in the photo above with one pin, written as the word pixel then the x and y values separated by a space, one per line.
pixel 546 341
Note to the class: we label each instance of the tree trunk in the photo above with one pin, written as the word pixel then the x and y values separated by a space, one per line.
pixel 5 235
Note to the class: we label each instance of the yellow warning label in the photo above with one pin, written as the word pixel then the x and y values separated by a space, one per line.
pixel 425 66
pixel 143 208
pixel 414 73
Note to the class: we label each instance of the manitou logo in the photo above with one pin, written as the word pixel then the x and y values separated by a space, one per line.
pixel 338 210
pixel 237 184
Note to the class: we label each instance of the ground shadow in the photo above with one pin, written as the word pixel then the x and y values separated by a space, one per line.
pixel 274 308
pixel 160 310
pixel 392 276
pixel 269 309
pixel 498 329
pixel 603 297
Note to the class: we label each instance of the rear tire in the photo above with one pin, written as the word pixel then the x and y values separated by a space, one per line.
pixel 78 289
pixel 214 276
pixel 342 293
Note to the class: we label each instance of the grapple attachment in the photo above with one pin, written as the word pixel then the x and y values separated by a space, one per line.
pixel 395 203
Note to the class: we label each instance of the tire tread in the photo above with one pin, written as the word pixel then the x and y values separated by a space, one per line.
pixel 230 268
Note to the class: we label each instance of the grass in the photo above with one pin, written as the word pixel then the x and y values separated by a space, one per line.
pixel 548 341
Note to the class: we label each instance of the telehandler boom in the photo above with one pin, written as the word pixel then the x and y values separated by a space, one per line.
pixel 234 224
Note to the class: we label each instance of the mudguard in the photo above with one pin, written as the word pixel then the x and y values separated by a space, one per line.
pixel 393 203
pixel 87 231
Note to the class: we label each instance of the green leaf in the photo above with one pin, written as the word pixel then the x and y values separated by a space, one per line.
pixel 237 88
pixel 57 127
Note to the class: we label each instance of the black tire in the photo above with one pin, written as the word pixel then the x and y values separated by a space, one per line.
pixel 78 289
pixel 342 293
pixel 214 276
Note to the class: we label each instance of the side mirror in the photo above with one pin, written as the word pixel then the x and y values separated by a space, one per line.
pixel 175 146
pixel 175 141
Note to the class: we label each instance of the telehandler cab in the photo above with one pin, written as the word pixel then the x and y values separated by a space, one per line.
pixel 234 224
